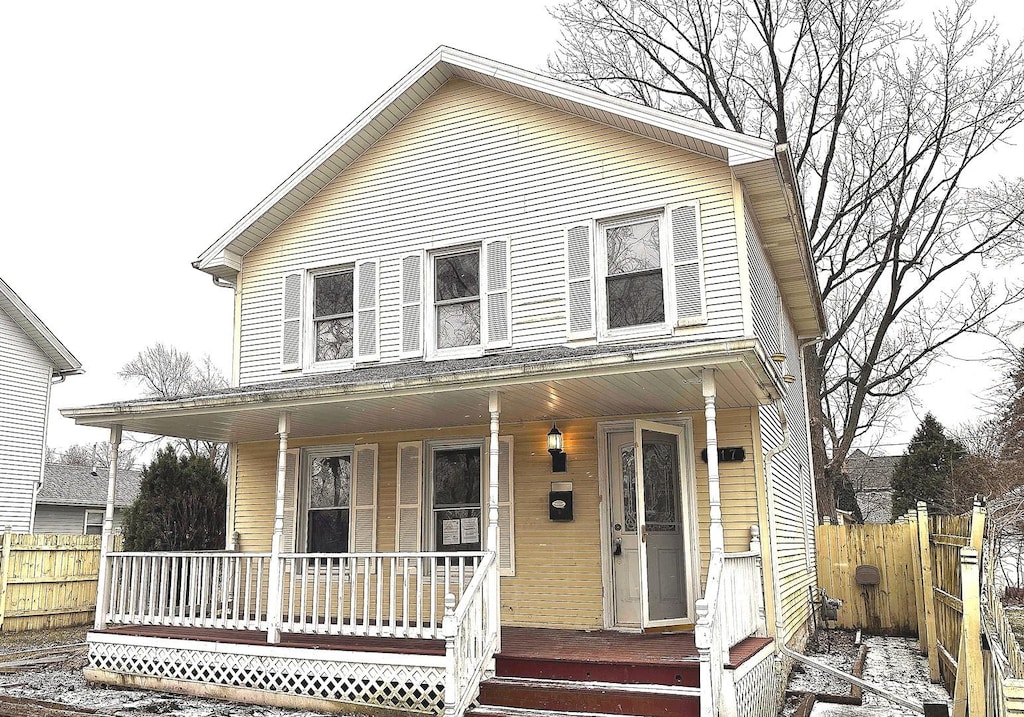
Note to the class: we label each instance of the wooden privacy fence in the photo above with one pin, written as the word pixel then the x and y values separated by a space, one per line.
pixel 47 580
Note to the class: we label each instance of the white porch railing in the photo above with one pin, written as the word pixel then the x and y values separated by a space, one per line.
pixel 204 589
pixel 372 594
pixel 731 610
pixel 470 638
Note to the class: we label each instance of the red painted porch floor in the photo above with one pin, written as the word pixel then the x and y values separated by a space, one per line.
pixel 517 643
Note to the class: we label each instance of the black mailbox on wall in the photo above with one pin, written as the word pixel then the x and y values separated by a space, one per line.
pixel 560 501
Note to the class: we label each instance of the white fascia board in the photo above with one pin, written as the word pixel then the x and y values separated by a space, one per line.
pixel 63 360
pixel 740 148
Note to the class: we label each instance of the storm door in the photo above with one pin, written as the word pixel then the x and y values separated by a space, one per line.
pixel 651 544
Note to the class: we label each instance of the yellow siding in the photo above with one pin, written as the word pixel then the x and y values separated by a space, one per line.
pixel 472 163
pixel 558 565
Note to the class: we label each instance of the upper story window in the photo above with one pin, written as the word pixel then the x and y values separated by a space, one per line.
pixel 457 317
pixel 333 315
pixel 635 276
pixel 634 281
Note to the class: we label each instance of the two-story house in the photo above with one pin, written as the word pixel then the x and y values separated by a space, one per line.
pixel 32 359
pixel 517 403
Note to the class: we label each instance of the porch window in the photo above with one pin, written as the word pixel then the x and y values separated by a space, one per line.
pixel 455 497
pixel 94 522
pixel 634 280
pixel 333 315
pixel 329 495
pixel 456 280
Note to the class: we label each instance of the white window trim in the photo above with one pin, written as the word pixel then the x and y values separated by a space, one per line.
pixel 302 491
pixel 665 328
pixel 85 522
pixel 309 331
pixel 427 537
pixel 432 353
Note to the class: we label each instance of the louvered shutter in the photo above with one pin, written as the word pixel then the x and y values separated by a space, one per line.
pixel 496 269
pixel 291 322
pixel 687 269
pixel 580 281
pixel 411 317
pixel 506 516
pixel 291 492
pixel 367 338
pixel 364 498
pixel 410 494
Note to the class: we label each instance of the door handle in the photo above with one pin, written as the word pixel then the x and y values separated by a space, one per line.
pixel 643 533
pixel 617 549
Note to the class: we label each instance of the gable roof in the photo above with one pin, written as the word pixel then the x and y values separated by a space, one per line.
pixel 62 360
pixel 870 472
pixel 764 165
pixel 65 484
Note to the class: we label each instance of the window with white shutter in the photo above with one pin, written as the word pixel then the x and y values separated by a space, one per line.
pixel 411 317
pixel 579 264
pixel 687 264
pixel 497 298
pixel 291 322
pixel 338 499
pixel 367 320
pixel 456 315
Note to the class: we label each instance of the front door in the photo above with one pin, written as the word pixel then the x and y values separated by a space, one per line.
pixel 651 563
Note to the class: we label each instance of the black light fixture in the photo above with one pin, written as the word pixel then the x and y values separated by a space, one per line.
pixel 555 449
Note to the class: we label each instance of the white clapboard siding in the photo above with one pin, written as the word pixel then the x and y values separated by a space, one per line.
pixel 472 165
pixel 793 531
pixel 24 394
pixel 765 300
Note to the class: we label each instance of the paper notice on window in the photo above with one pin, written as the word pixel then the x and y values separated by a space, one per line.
pixel 470 530
pixel 450 534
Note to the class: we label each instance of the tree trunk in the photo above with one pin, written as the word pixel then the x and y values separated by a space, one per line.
pixel 825 480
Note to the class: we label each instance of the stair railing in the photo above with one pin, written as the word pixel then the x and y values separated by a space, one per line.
pixel 471 637
pixel 710 638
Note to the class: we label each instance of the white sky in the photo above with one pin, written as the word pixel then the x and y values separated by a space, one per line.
pixel 132 135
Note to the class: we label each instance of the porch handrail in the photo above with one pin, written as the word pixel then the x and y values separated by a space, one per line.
pixel 741 576
pixel 385 594
pixel 709 638
pixel 471 637
pixel 214 589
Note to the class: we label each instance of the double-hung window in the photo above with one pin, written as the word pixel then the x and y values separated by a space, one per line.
pixel 328 501
pixel 633 286
pixel 94 522
pixel 333 315
pixel 454 497
pixel 456 288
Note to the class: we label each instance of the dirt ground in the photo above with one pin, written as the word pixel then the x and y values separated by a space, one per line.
pixel 62 681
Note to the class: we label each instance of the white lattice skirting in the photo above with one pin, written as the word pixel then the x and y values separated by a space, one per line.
pixel 390 681
pixel 758 685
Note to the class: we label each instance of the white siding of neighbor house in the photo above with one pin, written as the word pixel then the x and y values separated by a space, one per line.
pixel 24 396
pixel 66 519
pixel 472 164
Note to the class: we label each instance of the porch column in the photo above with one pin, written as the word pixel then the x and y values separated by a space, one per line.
pixel 717 534
pixel 274 583
pixel 493 537
pixel 107 539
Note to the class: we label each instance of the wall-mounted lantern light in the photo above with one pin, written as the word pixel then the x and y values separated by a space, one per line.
pixel 555 449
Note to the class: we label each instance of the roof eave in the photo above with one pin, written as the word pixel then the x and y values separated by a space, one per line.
pixel 64 362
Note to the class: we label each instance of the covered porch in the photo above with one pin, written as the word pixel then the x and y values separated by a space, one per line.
pixel 264 611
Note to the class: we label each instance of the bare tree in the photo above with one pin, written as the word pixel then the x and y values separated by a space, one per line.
pixel 165 372
pixel 91 454
pixel 886 122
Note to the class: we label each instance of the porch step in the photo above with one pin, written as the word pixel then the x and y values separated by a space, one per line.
pixel 680 674
pixel 499 694
pixel 487 711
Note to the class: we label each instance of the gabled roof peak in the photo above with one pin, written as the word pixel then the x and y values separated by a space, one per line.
pixel 63 361
pixel 223 258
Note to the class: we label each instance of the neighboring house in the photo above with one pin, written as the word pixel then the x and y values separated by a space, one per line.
pixel 871 478
pixel 72 499
pixel 32 359
pixel 485 266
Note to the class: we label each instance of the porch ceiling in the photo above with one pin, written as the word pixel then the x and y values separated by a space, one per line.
pixel 657 380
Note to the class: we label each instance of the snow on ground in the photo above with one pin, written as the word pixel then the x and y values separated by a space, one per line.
pixel 893 664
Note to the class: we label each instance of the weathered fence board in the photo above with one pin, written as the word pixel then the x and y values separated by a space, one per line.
pixel 889 608
pixel 47 580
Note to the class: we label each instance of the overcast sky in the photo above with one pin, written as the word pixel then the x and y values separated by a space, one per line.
pixel 133 134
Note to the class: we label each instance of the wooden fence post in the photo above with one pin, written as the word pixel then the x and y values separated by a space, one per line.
pixel 5 569
pixel 969 669
pixel 922 627
pixel 928 591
